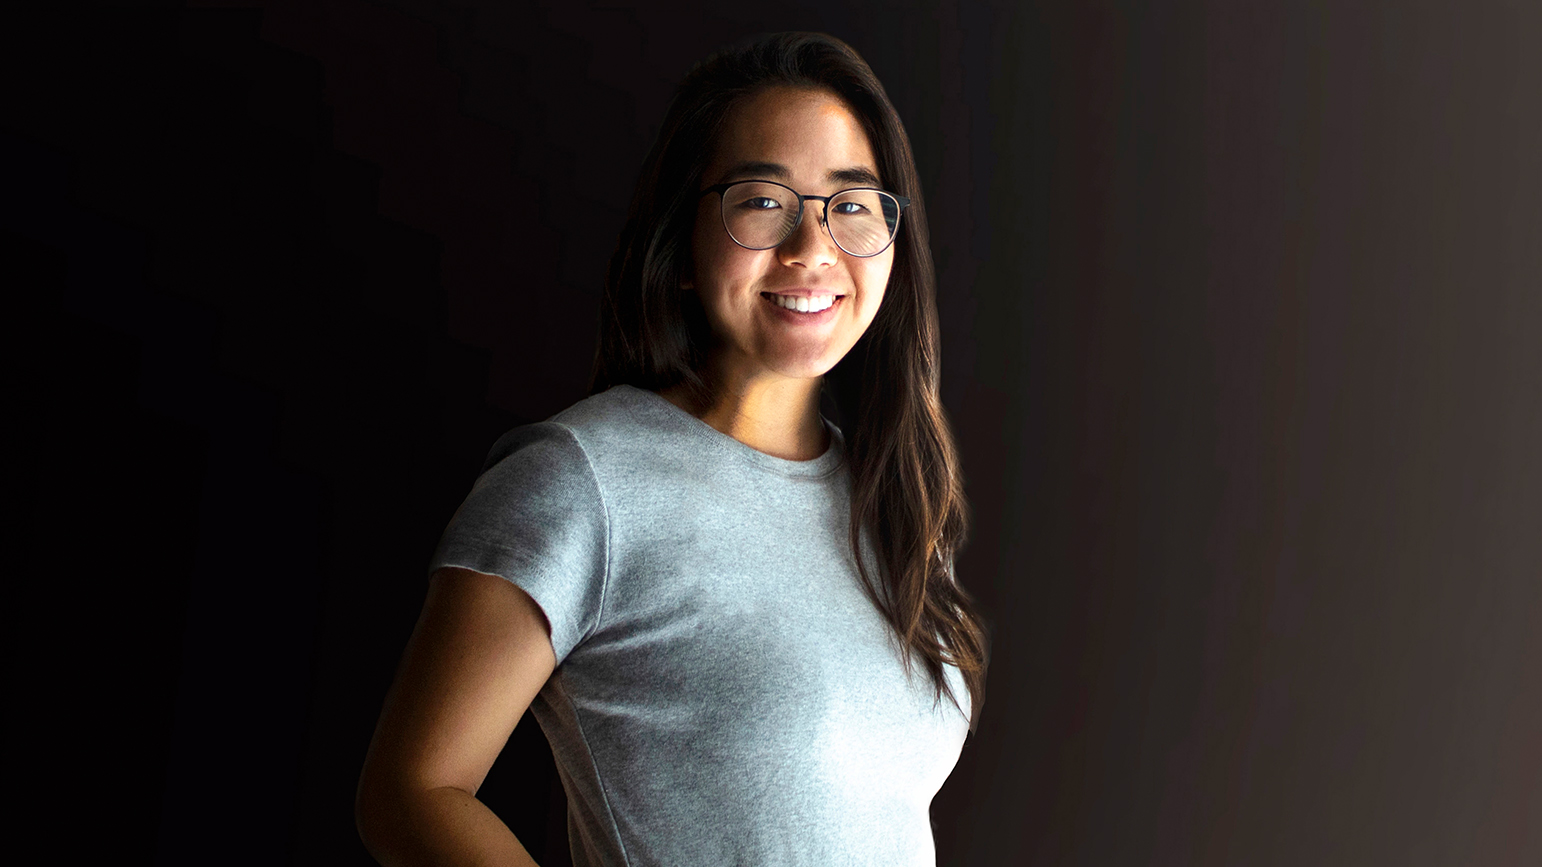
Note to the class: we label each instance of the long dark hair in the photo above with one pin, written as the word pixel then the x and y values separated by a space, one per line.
pixel 907 492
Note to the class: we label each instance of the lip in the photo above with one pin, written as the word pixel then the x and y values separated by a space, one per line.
pixel 792 317
pixel 804 292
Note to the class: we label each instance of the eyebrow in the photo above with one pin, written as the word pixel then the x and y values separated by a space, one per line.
pixel 855 175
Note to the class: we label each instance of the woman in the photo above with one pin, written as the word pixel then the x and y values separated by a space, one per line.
pixel 667 572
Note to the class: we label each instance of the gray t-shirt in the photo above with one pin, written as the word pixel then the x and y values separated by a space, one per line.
pixel 726 693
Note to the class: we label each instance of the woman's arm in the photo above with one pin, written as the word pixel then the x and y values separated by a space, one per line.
pixel 480 653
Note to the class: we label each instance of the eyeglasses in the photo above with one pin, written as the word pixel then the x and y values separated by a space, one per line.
pixel 760 215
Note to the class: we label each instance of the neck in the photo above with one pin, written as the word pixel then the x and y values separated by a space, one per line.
pixel 773 414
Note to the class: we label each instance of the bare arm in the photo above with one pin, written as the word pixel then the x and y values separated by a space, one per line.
pixel 478 656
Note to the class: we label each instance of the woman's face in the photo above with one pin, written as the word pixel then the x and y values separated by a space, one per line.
pixel 809 141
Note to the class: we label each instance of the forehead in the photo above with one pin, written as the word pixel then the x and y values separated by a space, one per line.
pixel 811 134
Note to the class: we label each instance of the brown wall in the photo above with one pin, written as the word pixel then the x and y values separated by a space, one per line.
pixel 1240 308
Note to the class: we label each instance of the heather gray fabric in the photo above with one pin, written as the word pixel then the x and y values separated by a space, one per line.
pixel 725 693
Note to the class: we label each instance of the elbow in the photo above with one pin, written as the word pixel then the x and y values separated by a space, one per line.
pixel 377 810
pixel 364 817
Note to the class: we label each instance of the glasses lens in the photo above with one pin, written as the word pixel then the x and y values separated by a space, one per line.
pixel 863 222
pixel 759 215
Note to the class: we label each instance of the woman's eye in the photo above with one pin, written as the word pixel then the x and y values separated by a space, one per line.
pixel 849 208
pixel 760 203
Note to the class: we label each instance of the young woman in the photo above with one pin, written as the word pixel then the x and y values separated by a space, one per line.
pixel 737 624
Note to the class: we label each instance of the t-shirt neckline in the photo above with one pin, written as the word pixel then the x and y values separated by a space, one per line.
pixel 695 427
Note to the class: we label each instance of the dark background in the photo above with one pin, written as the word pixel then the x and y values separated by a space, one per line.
pixel 1240 306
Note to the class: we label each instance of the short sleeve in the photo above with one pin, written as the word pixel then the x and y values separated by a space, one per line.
pixel 536 517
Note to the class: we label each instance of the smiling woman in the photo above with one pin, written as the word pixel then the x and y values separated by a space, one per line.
pixel 736 623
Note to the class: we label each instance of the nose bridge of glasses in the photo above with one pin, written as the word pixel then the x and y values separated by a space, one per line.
pixel 824 208
pixel 821 218
pixel 793 245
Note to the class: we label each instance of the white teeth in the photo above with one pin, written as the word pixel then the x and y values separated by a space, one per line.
pixel 804 304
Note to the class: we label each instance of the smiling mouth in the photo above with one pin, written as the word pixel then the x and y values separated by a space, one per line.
pixel 802 303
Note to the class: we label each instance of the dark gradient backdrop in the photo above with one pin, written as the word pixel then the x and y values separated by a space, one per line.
pixel 1240 300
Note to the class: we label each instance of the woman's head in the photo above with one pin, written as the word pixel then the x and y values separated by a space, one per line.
pixel 656 330
pixel 783 298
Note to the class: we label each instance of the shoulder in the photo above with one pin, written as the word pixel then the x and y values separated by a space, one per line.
pixel 617 420
pixel 587 448
pixel 594 424
pixel 625 435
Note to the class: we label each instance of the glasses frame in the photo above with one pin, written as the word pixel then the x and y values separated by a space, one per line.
pixel 722 189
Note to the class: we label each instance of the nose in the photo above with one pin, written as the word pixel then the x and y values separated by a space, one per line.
pixel 810 243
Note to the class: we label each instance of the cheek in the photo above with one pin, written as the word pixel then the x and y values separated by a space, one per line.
pixel 713 259
pixel 874 281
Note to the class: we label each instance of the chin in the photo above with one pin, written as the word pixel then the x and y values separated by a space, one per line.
pixel 805 368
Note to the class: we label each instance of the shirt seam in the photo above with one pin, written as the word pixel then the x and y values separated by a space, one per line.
pixel 599 778
pixel 599 619
pixel 599 491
